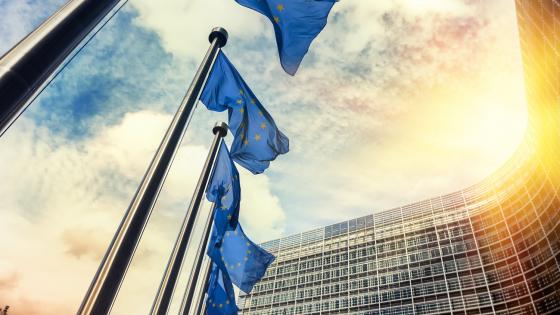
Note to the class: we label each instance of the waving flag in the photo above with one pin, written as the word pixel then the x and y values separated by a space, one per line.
pixel 257 140
pixel 244 261
pixel 296 24
pixel 224 191
pixel 221 297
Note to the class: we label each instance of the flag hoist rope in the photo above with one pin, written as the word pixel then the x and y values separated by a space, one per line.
pixel 106 283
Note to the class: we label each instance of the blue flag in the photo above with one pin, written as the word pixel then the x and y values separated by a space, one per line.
pixel 221 297
pixel 257 140
pixel 244 261
pixel 296 24
pixel 224 191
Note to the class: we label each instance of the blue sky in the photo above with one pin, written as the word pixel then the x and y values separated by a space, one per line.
pixel 397 101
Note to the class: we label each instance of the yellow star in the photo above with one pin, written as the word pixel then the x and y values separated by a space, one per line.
pixel 239 101
pixel 263 126
pixel 253 101
pixel 248 244
pixel 213 304
pixel 242 110
pixel 260 113
pixel 257 137
pixel 246 142
pixel 229 217
pixel 248 251
pixel 221 305
pixel 241 92
pixel 280 7
pixel 276 19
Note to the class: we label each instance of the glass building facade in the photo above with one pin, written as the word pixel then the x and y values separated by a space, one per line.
pixel 493 248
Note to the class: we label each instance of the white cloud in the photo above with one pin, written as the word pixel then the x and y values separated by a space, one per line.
pixel 261 215
pixel 183 26
pixel 63 200
pixel 20 17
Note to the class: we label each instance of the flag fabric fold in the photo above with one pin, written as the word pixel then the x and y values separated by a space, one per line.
pixel 244 261
pixel 296 24
pixel 221 297
pixel 257 139
pixel 224 190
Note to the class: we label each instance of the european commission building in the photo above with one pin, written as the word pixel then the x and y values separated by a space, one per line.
pixel 493 248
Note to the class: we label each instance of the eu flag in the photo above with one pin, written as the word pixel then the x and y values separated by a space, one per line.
pixel 244 261
pixel 257 140
pixel 221 297
pixel 224 191
pixel 296 24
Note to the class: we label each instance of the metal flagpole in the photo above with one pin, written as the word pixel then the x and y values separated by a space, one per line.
pixel 27 66
pixel 107 281
pixel 200 300
pixel 199 258
pixel 173 269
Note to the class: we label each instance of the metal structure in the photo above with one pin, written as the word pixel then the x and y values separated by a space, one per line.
pixel 25 69
pixel 173 269
pixel 108 279
pixel 200 301
pixel 493 248
pixel 197 268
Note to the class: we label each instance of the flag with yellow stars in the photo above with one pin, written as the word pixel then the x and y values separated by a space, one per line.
pixel 221 297
pixel 244 261
pixel 296 24
pixel 257 140
pixel 224 191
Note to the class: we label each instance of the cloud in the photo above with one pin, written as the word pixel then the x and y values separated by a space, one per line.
pixel 79 246
pixel 9 281
pixel 184 26
pixel 13 27
pixel 261 214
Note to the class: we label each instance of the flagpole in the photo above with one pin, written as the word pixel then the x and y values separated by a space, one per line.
pixel 200 300
pixel 26 67
pixel 173 269
pixel 106 283
pixel 200 253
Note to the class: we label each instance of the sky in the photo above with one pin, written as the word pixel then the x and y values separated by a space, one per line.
pixel 396 101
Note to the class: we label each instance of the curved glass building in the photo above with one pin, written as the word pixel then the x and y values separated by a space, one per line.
pixel 493 248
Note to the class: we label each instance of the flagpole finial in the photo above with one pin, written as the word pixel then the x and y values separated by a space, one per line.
pixel 220 128
pixel 219 33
